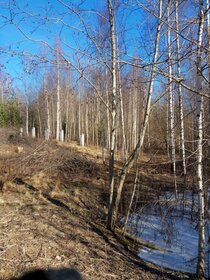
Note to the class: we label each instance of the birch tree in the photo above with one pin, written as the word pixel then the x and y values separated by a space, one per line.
pixel 111 11
pixel 122 115
pixel 58 112
pixel 47 110
pixel 129 163
pixel 208 44
pixel 199 152
pixel 171 99
pixel 181 114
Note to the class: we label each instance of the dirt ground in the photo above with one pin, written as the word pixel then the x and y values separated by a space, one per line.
pixel 53 201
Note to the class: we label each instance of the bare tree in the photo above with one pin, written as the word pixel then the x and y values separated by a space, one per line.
pixel 199 152
pixel 58 106
pixel 171 99
pixel 46 97
pixel 181 113
pixel 111 9
pixel 129 164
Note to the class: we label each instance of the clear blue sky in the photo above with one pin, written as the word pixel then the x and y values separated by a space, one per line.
pixel 26 15
pixel 40 20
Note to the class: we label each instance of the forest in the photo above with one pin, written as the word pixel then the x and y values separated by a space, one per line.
pixel 105 114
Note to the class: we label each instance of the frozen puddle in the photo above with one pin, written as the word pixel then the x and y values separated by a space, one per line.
pixel 173 229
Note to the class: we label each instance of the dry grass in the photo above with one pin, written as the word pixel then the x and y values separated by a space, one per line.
pixel 52 214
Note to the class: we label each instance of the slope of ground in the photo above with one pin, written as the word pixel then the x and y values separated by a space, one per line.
pixel 53 201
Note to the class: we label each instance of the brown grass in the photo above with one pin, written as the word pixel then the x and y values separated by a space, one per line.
pixel 52 214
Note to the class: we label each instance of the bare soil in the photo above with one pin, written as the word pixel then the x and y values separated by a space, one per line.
pixel 53 201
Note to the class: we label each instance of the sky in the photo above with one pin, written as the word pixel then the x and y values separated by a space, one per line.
pixel 42 20
pixel 39 21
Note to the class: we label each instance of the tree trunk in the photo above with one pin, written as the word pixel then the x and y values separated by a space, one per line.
pixel 137 150
pixel 107 108
pixel 67 115
pixel 199 140
pixel 47 109
pixel 171 101
pixel 26 118
pixel 124 145
pixel 38 113
pixel 208 105
pixel 111 9
pixel 86 119
pixel 58 112
pixel 181 114
pixel 134 109
pixel 131 200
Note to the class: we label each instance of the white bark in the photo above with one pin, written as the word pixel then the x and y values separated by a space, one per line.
pixel 79 113
pixel 62 135
pixel 33 132
pixel 134 111
pixel 26 119
pixel 86 120
pixel 107 108
pixel 199 152
pixel 124 145
pixel 58 112
pixel 82 139
pixel 181 114
pixel 111 9
pixel 171 102
pixel 208 38
pixel 38 113
pixel 46 108
pixel 67 117
pixel 138 147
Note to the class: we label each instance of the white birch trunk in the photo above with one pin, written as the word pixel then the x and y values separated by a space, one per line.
pixel 67 116
pixel 46 108
pixel 208 38
pixel 199 152
pixel 134 102
pixel 181 114
pixel 138 147
pixel 38 113
pixel 124 145
pixel 26 118
pixel 171 102
pixel 82 139
pixel 33 132
pixel 62 135
pixel 79 113
pixel 111 9
pixel 86 120
pixel 58 112
pixel 107 109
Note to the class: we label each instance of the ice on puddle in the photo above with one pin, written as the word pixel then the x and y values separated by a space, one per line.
pixel 173 228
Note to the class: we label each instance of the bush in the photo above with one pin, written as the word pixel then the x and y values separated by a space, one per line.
pixel 10 114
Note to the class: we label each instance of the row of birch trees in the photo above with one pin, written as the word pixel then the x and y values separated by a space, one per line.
pixel 146 93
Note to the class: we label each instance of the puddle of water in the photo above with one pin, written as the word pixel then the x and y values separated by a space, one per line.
pixel 173 228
